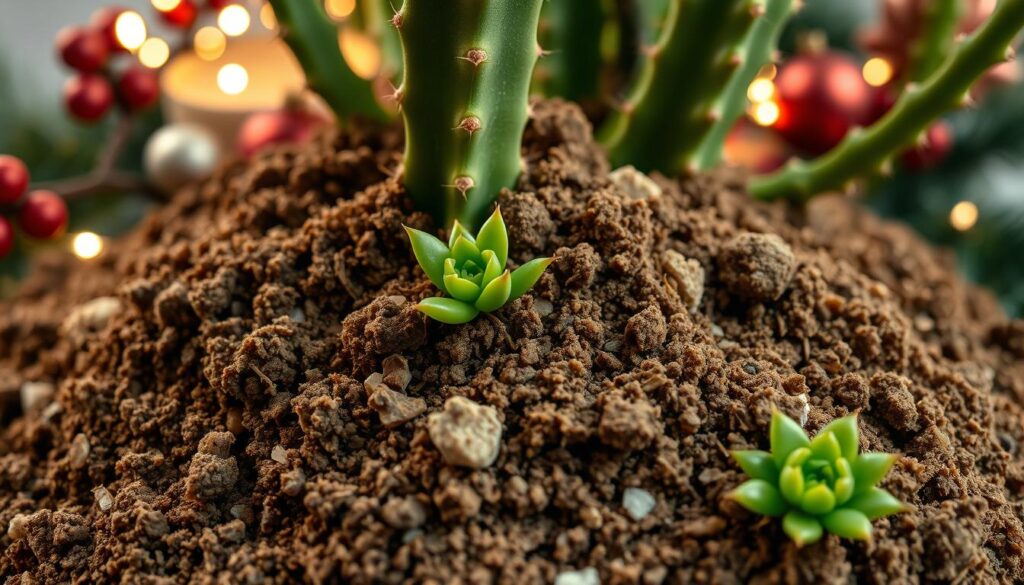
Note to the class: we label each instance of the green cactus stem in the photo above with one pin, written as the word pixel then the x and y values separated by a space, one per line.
pixel 464 98
pixel 313 39
pixel 571 31
pixel 938 31
pixel 865 151
pixel 668 111
pixel 758 47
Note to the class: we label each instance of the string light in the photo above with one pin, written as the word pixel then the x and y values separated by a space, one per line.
pixel 233 20
pixel 760 90
pixel 765 113
pixel 267 17
pixel 165 5
pixel 154 52
pixel 339 9
pixel 232 79
pixel 209 43
pixel 130 30
pixel 877 72
pixel 963 216
pixel 87 245
pixel 360 52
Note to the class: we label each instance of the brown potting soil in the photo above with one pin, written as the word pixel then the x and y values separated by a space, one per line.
pixel 212 418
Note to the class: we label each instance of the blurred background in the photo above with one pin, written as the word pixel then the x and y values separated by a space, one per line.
pixel 963 189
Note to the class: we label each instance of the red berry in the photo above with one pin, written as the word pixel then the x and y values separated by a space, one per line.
pixel 182 15
pixel 82 48
pixel 138 88
pixel 88 96
pixel 938 143
pixel 43 215
pixel 6 236
pixel 287 126
pixel 103 20
pixel 13 179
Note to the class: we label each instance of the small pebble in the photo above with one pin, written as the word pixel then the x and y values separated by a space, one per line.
pixel 78 452
pixel 279 454
pixel 634 184
pixel 543 307
pixel 89 318
pixel 806 410
pixel 396 372
pixel 756 266
pixel 588 576
pixel 35 395
pixel 395 408
pixel 688 276
pixel 103 498
pixel 16 527
pixel 638 503
pixel 292 482
pixel 466 433
pixel 297 315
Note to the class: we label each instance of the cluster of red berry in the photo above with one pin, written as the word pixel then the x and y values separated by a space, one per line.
pixel 41 214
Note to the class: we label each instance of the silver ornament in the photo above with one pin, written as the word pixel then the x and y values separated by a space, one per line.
pixel 179 154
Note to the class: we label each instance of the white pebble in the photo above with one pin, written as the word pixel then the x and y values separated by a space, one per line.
pixel 16 529
pixel 543 307
pixel 78 452
pixel 279 454
pixel 806 410
pixel 466 433
pixel 634 184
pixel 35 395
pixel 298 315
pixel 89 318
pixel 638 503
pixel 103 498
pixel 586 576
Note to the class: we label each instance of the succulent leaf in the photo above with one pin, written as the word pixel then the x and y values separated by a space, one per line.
pixel 848 523
pixel 495 294
pixel 761 497
pixel 785 436
pixel 494 236
pixel 818 500
pixel 756 464
pixel 801 528
pixel 430 253
pixel 445 310
pixel 870 468
pixel 845 430
pixel 876 503
pixel 527 275
pixel 464 251
pixel 459 230
pixel 826 446
pixel 791 484
pixel 461 288
pixel 492 269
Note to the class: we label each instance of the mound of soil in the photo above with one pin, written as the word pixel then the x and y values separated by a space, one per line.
pixel 243 392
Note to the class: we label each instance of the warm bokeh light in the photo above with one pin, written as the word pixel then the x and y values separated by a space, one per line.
pixel 361 53
pixel 87 245
pixel 165 5
pixel 233 20
pixel 267 17
pixel 339 9
pixel 877 72
pixel 760 90
pixel 232 79
pixel 963 216
pixel 209 43
pixel 130 30
pixel 765 113
pixel 154 52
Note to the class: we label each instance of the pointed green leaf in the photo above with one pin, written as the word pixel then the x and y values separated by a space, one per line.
pixel 760 497
pixel 459 230
pixel 801 528
pixel 785 436
pixel 791 484
pixel 826 446
pixel 495 294
pixel 818 500
pixel 845 430
pixel 445 310
pixel 527 275
pixel 464 251
pixel 460 288
pixel 843 490
pixel 848 523
pixel 756 464
pixel 876 503
pixel 492 269
pixel 800 455
pixel 869 469
pixel 430 253
pixel 494 236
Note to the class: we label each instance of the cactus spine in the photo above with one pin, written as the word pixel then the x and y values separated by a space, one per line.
pixel 865 151
pixel 670 106
pixel 571 29
pixel 313 39
pixel 468 65
pixel 758 47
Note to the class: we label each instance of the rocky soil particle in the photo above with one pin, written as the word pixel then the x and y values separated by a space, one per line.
pixel 220 412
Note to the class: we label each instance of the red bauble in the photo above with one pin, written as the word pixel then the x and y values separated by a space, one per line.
pixel 219 4
pixel 43 215
pixel 6 237
pixel 13 179
pixel 104 20
pixel 83 48
pixel 937 146
pixel 821 96
pixel 88 96
pixel 288 126
pixel 138 88
pixel 182 16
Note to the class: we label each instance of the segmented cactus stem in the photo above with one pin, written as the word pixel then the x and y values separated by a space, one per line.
pixel 571 30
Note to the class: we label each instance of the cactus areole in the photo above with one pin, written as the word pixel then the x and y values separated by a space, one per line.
pixel 464 98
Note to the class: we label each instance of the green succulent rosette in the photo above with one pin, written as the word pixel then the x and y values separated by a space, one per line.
pixel 817 485
pixel 471 271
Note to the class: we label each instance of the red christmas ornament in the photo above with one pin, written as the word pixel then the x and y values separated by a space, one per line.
pixel 104 20
pixel 84 49
pixel 88 96
pixel 6 237
pixel 43 214
pixel 937 146
pixel 138 88
pixel 219 4
pixel 182 16
pixel 13 179
pixel 288 126
pixel 821 96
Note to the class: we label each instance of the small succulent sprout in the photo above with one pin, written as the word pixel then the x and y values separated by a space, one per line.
pixel 471 271
pixel 816 485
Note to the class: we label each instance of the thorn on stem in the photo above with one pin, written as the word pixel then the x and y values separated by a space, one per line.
pixel 470 124
pixel 463 184
pixel 475 56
